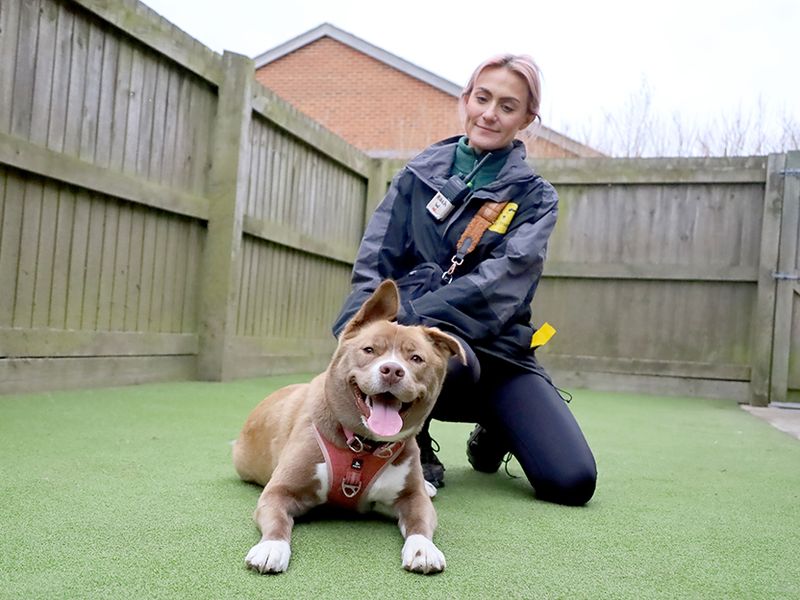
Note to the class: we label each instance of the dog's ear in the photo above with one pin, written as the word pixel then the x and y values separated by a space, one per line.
pixel 382 305
pixel 446 343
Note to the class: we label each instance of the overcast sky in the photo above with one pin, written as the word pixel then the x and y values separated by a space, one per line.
pixel 699 58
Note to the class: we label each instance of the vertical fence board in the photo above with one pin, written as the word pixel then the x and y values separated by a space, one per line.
pixel 147 273
pixel 105 292
pixel 198 158
pixel 134 112
pixel 9 33
pixel 161 259
pixel 108 92
pixel 77 260
pixel 182 124
pixel 28 252
pixel 120 266
pixel 144 129
pixel 77 87
pixel 169 307
pixel 43 286
pixel 91 99
pixel 171 106
pixel 56 128
pixel 119 111
pixel 43 77
pixel 94 259
pixel 10 229
pixel 154 152
pixel 22 98
pixel 194 262
pixel 63 246
pixel 179 276
pixel 246 292
pixel 136 254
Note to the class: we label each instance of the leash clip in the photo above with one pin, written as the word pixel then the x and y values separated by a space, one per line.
pixel 457 260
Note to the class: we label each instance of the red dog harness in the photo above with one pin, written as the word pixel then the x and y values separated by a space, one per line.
pixel 352 470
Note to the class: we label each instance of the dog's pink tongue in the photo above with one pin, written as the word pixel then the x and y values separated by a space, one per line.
pixel 385 419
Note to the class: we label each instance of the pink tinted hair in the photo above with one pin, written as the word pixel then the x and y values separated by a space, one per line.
pixel 521 64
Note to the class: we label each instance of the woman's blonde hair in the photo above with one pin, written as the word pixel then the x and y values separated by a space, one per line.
pixel 521 64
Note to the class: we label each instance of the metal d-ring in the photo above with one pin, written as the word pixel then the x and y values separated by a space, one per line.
pixel 355 444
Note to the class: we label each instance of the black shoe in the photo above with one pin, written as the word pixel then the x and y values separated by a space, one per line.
pixel 432 468
pixel 485 451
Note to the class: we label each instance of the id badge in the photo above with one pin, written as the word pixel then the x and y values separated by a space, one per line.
pixel 440 207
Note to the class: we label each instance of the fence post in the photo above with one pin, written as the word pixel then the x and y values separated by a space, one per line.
pixel 786 285
pixel 764 318
pixel 227 192
pixel 376 187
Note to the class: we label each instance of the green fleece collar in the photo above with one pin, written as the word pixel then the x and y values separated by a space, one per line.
pixel 467 157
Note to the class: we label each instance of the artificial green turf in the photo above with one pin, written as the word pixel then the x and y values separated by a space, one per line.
pixel 130 493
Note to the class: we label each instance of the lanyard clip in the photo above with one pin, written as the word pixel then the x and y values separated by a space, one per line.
pixel 457 260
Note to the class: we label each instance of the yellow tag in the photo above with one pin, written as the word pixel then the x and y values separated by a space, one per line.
pixel 542 335
pixel 502 222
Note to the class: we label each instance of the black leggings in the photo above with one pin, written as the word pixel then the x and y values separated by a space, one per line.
pixel 526 411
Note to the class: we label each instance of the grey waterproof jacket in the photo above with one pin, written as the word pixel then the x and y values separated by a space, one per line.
pixel 488 301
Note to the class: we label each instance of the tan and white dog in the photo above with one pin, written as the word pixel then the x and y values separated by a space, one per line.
pixel 347 437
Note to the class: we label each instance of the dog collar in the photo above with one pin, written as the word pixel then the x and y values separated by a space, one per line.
pixel 352 470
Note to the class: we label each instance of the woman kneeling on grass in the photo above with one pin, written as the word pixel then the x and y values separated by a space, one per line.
pixel 427 223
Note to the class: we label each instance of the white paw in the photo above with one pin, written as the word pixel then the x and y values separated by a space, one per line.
pixel 269 556
pixel 422 556
pixel 430 489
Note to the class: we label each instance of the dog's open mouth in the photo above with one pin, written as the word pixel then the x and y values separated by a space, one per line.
pixel 382 412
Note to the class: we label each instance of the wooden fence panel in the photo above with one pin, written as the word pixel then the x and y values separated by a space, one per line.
pixel 308 196
pixel 303 221
pixel 163 216
pixel 288 300
pixel 654 279
pixel 286 293
pixel 75 85
pixel 104 155
pixel 71 260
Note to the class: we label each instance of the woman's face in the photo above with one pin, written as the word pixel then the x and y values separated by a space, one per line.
pixel 496 109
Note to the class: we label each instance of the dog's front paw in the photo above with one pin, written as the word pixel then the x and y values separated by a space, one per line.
pixel 421 555
pixel 269 556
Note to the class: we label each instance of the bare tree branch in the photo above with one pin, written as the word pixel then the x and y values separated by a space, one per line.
pixel 637 130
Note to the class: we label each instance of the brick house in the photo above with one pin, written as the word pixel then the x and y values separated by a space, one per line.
pixel 378 102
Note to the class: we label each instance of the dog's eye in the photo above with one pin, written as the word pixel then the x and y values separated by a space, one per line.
pixel 368 350
pixel 417 358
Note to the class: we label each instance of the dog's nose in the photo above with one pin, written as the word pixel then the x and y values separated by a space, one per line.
pixel 391 372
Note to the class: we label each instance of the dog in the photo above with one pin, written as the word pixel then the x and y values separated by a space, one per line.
pixel 347 437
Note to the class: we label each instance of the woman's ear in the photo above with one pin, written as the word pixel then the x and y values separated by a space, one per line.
pixel 531 118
